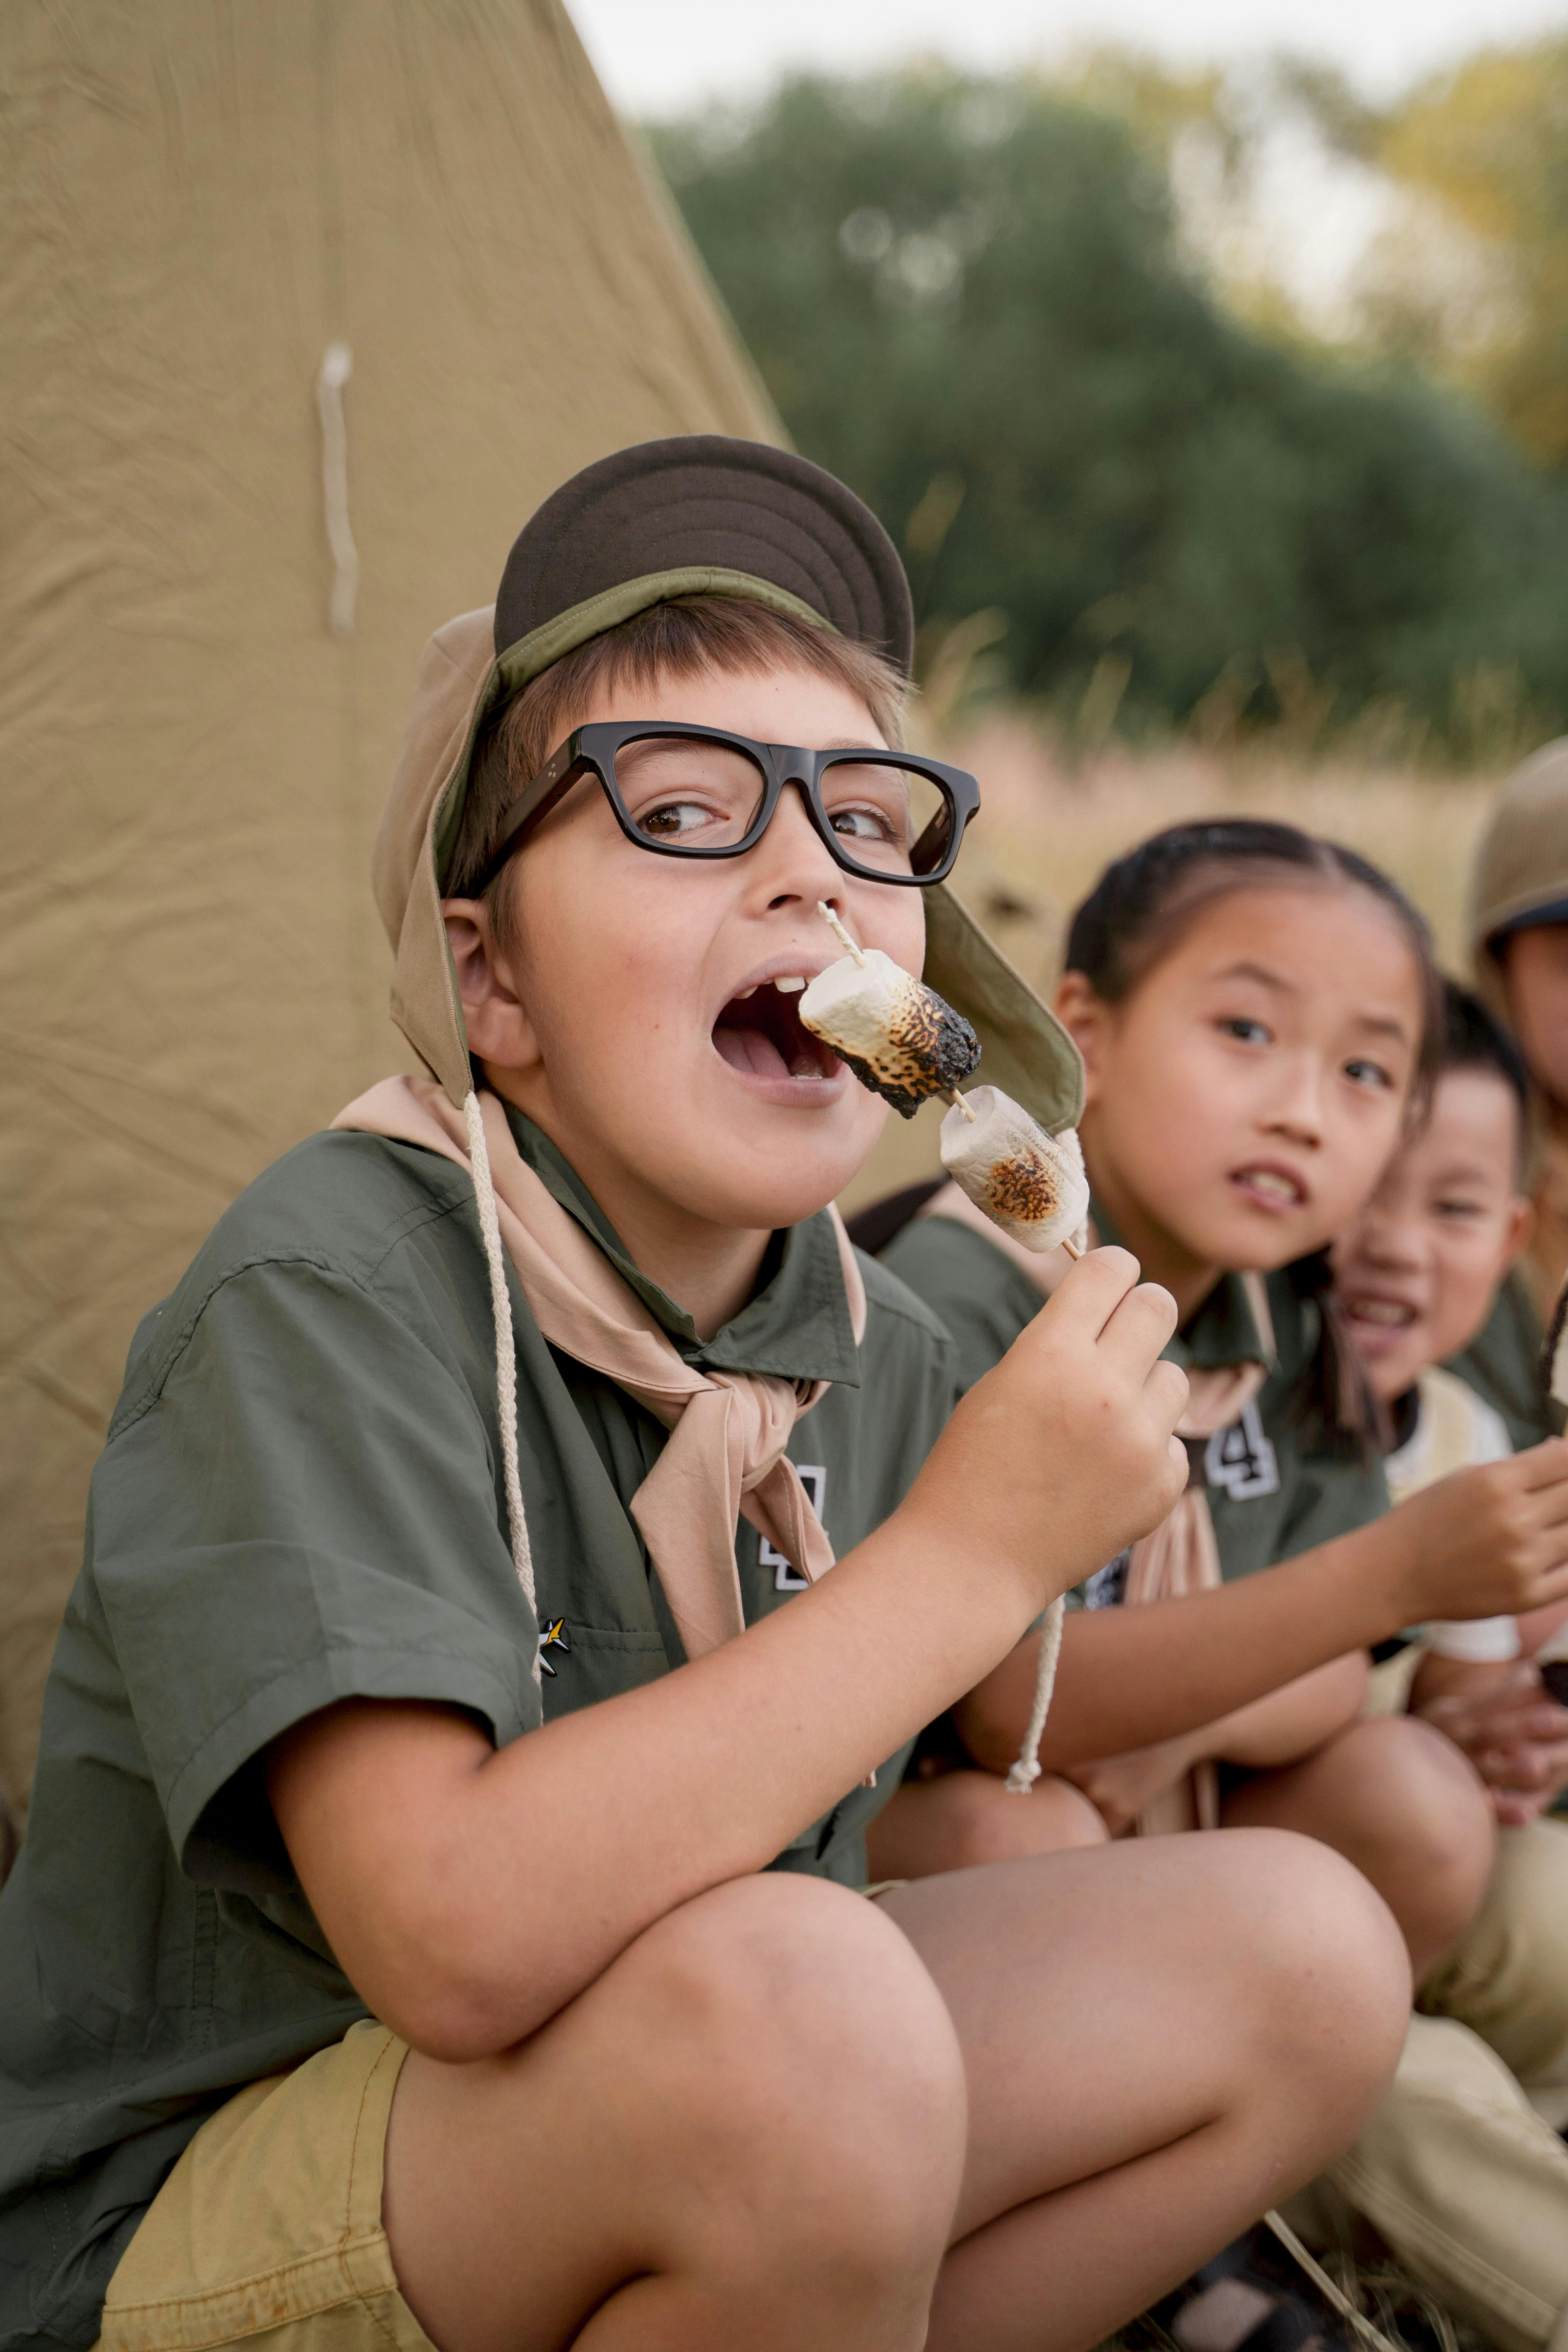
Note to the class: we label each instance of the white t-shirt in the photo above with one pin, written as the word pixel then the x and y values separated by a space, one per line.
pixel 1455 1430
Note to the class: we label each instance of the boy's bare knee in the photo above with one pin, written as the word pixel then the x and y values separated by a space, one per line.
pixel 1424 1805
pixel 986 1824
pixel 802 2041
pixel 1321 1968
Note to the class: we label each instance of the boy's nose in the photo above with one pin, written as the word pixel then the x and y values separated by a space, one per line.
pixel 792 860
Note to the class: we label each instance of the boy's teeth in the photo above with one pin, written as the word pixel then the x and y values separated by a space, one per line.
pixel 790 987
pixel 741 993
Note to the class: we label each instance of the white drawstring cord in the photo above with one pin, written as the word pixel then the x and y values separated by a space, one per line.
pixel 506 1356
pixel 1026 1771
pixel 337 366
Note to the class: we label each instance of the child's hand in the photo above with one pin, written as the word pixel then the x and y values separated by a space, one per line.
pixel 1513 1734
pixel 1488 1542
pixel 1065 1454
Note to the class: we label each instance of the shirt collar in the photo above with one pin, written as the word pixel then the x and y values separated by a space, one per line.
pixel 795 1328
pixel 1222 1328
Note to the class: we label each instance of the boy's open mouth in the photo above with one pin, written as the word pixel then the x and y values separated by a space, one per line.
pixel 761 1033
pixel 1379 1311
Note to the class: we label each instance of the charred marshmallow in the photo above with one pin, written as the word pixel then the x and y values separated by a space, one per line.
pixel 1030 1183
pixel 895 1034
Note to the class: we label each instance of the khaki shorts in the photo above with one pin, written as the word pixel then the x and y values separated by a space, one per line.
pixel 271 2220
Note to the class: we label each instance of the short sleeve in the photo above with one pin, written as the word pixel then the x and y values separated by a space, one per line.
pixel 304 1510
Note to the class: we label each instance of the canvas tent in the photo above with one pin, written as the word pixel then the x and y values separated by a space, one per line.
pixel 199 701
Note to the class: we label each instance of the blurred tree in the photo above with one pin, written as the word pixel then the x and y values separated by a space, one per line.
pixel 1489 143
pixel 968 299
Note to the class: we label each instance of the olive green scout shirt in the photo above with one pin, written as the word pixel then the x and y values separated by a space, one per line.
pixel 300 1500
pixel 1271 1491
pixel 1502 1364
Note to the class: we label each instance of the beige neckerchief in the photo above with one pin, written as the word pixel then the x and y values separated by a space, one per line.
pixel 1180 1555
pixel 725 1458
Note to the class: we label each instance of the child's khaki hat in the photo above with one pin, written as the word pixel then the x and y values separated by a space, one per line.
pixel 703 515
pixel 1520 873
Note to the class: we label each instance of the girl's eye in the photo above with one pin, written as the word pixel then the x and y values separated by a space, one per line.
pixel 1369 1073
pixel 1248 1030
pixel 1458 1209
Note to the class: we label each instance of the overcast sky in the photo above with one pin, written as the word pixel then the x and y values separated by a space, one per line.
pixel 656 56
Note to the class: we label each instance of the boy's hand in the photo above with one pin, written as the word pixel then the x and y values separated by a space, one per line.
pixel 1512 1733
pixel 1065 1452
pixel 1488 1542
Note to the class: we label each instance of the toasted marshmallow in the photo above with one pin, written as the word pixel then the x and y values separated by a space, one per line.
pixel 895 1034
pixel 1030 1183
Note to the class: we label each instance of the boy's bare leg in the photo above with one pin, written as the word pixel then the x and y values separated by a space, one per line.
pixel 1405 1806
pixel 752 2130
pixel 964 1818
pixel 749 2130
pixel 1161 2039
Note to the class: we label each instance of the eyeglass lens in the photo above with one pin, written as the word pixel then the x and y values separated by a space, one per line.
pixel 684 792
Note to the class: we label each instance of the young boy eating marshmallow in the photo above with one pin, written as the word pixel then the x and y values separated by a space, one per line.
pixel 437 1920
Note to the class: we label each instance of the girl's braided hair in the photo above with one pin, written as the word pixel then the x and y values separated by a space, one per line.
pixel 1130 921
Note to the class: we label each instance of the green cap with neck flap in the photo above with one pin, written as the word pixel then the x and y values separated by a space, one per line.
pixel 701 515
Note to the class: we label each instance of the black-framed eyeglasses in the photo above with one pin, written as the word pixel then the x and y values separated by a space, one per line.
pixel 695 792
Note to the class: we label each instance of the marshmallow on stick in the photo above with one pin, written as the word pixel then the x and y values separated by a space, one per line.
pixel 904 1043
pixel 1030 1183
pixel 901 1040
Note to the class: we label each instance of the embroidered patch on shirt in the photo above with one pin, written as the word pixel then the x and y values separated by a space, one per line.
pixel 786 1577
pixel 1242 1460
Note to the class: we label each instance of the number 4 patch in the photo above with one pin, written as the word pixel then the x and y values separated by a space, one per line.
pixel 1242 1460
pixel 786 1578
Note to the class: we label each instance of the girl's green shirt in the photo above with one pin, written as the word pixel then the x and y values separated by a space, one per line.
pixel 1274 1487
pixel 301 1501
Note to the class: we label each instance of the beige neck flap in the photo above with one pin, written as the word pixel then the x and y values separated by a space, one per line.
pixel 725 1459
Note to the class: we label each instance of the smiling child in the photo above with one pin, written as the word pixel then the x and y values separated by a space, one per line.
pixel 439 1920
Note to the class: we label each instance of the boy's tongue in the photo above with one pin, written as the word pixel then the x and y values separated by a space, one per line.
pixel 761 1034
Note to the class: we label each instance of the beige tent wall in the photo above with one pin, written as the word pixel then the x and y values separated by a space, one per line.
pixel 196 196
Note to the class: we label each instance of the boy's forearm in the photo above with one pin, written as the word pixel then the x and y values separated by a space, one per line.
pixel 1131 1677
pixel 477 1892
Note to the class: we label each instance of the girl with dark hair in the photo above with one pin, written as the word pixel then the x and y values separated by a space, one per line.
pixel 1259 1013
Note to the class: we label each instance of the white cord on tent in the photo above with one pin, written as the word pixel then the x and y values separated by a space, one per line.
pixel 506 1355
pixel 1026 1771
pixel 1326 2286
pixel 337 366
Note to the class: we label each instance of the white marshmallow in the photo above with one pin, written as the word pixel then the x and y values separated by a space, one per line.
pixel 1030 1183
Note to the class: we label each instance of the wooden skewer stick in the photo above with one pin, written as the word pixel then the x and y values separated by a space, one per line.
pixel 839 933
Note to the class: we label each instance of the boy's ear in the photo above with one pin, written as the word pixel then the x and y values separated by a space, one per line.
pixel 1520 1229
pixel 499 1031
pixel 1082 1014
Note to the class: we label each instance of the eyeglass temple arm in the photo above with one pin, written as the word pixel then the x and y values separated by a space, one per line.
pixel 553 780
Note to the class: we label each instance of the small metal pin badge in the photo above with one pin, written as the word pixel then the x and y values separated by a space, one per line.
pixel 553 1637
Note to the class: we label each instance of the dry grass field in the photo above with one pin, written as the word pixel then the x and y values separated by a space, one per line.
pixel 1049 823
